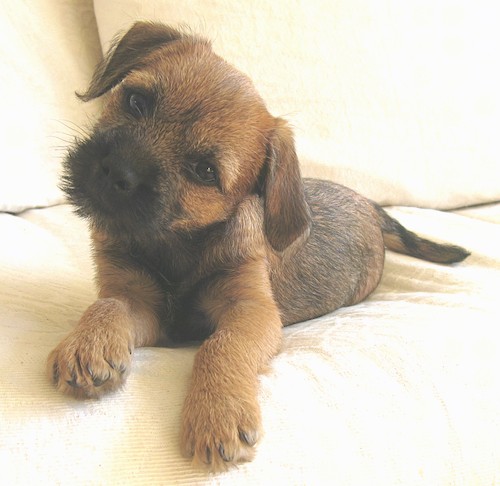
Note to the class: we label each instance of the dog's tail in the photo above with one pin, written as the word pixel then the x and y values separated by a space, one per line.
pixel 401 240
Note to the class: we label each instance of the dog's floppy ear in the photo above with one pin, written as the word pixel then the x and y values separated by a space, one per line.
pixel 127 53
pixel 286 213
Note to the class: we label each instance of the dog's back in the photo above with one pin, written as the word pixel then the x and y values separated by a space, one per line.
pixel 340 262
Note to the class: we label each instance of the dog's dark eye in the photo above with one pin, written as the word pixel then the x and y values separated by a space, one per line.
pixel 138 104
pixel 206 172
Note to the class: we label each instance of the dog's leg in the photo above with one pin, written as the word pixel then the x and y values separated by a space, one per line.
pixel 221 417
pixel 96 357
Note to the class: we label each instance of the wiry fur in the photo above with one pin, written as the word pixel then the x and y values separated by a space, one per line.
pixel 204 230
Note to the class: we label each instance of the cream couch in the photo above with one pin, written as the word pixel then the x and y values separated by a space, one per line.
pixel 398 100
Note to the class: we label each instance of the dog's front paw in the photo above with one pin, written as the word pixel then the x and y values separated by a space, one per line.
pixel 91 361
pixel 220 429
pixel 89 365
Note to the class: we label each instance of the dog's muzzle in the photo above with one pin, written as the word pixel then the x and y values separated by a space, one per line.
pixel 120 175
pixel 112 178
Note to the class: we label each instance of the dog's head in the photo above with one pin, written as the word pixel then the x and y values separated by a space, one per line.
pixel 183 139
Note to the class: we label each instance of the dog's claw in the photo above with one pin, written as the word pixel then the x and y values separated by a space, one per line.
pixel 110 363
pixel 248 438
pixel 100 381
pixel 120 369
pixel 55 373
pixel 208 453
pixel 73 382
pixel 222 453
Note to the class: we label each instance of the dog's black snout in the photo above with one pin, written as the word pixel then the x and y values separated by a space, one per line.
pixel 120 174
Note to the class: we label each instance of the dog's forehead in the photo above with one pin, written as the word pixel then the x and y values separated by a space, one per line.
pixel 191 82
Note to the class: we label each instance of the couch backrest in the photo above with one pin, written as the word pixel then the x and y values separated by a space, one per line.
pixel 398 100
pixel 47 51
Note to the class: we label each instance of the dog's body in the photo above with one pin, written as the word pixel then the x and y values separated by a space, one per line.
pixel 204 230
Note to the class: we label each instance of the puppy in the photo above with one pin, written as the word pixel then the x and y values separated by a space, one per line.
pixel 204 230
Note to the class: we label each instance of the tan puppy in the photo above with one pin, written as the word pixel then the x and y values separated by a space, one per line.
pixel 204 230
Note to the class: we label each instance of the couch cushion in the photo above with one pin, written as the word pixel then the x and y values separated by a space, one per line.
pixel 398 100
pixel 47 51
pixel 400 389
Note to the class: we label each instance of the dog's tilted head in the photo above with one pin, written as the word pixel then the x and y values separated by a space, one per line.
pixel 183 138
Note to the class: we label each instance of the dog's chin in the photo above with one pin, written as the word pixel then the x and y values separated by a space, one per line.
pixel 120 223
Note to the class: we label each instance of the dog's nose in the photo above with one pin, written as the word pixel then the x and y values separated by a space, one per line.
pixel 120 176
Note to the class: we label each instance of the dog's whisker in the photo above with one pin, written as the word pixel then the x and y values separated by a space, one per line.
pixel 73 127
pixel 71 140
